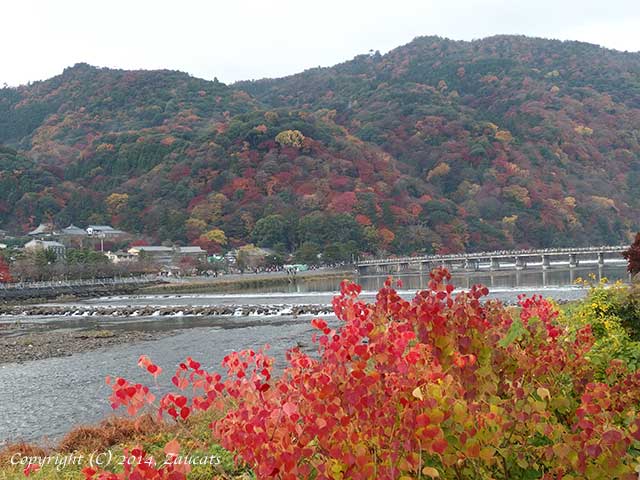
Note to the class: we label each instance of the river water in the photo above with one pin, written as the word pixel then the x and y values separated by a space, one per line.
pixel 41 400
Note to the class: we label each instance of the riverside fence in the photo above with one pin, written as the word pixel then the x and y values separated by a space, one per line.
pixel 91 287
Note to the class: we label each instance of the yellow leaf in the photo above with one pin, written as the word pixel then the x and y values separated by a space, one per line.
pixel 430 472
pixel 459 412
pixel 486 453
pixel 543 393
pixel 417 393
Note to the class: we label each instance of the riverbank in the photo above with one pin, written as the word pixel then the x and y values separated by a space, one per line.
pixel 107 441
pixel 19 347
pixel 43 291
pixel 247 281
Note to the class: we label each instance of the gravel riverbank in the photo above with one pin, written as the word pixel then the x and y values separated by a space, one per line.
pixel 19 348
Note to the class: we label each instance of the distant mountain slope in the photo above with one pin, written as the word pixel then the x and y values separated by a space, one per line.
pixel 436 146
pixel 545 130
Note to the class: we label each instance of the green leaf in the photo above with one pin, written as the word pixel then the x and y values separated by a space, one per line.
pixel 515 332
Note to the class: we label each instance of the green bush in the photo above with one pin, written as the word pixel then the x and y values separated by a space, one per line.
pixel 613 311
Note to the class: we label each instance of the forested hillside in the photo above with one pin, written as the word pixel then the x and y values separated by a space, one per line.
pixel 435 146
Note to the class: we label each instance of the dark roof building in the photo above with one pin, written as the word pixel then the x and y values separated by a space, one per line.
pixel 74 231
pixel 43 230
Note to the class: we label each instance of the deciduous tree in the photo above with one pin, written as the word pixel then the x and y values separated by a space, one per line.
pixel 633 256
pixel 5 272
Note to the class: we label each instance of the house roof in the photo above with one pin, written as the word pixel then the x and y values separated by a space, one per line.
pixel 104 229
pixel 43 229
pixel 43 244
pixel 73 230
pixel 191 249
pixel 48 244
pixel 152 248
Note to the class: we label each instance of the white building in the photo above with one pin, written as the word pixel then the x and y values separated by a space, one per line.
pixel 120 257
pixel 35 245
pixel 104 231
pixel 169 255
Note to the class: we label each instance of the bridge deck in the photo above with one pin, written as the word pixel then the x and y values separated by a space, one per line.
pixel 546 252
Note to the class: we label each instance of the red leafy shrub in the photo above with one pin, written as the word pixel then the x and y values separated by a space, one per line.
pixel 441 386
pixel 5 272
pixel 633 256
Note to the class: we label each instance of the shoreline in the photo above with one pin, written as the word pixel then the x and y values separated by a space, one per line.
pixel 19 347
pixel 246 281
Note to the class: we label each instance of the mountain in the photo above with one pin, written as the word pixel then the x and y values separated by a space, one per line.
pixel 438 145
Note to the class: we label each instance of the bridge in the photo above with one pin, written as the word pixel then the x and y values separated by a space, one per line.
pixel 80 288
pixel 518 259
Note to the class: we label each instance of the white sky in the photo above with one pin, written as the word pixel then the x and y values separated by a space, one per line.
pixel 245 39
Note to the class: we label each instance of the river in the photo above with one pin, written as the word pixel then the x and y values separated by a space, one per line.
pixel 41 400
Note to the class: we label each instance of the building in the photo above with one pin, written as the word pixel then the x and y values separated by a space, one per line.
pixel 73 231
pixel 34 245
pixel 73 236
pixel 104 231
pixel 156 254
pixel 193 252
pixel 43 230
pixel 169 255
pixel 121 257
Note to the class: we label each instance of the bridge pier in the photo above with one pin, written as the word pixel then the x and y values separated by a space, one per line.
pixel 601 259
pixel 573 260
pixel 471 264
pixel 546 262
pixel 521 263
pixel 494 263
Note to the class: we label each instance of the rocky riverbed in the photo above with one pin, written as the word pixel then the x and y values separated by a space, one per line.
pixel 17 348
pixel 154 311
pixel 24 336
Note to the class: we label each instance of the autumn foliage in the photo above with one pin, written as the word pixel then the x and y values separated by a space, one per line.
pixel 442 386
pixel 453 146
pixel 633 256
pixel 5 273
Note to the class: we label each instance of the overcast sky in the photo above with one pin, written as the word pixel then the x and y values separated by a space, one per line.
pixel 245 39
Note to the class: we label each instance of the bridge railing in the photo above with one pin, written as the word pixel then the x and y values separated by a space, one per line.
pixel 494 254
pixel 78 283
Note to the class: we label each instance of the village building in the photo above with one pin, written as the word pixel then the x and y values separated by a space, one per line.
pixel 73 236
pixel 169 255
pixel 44 230
pixel 56 247
pixel 121 257
pixel 193 252
pixel 104 231
pixel 156 254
